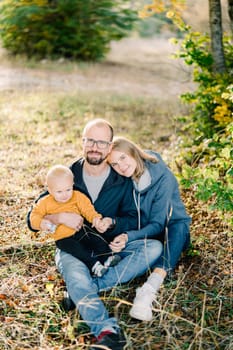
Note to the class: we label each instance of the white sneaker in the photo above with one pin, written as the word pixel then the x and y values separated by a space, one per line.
pixel 98 269
pixel 142 304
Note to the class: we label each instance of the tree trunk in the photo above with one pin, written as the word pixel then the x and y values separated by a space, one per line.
pixel 230 13
pixel 215 18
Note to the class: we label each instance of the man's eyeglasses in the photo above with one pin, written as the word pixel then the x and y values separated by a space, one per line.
pixel 99 143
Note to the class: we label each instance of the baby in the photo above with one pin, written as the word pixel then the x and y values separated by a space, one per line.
pixel 87 244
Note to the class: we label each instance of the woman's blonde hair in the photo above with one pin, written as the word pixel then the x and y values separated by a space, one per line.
pixel 122 144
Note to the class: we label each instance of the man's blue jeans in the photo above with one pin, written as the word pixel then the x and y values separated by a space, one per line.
pixel 137 257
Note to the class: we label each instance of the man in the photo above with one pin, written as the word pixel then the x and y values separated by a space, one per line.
pixel 111 195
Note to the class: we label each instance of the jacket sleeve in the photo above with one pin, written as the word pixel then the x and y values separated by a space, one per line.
pixel 159 210
pixel 126 218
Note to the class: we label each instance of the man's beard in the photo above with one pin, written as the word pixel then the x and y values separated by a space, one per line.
pixel 95 161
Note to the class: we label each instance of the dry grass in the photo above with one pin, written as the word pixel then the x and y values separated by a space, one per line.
pixel 40 127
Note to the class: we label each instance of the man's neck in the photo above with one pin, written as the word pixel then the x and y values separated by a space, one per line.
pixel 95 170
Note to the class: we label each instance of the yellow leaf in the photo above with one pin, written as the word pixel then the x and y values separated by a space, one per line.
pixel 49 287
pixel 70 332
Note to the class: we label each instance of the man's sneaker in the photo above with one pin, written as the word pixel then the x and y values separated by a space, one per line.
pixel 109 341
pixel 112 260
pixel 142 304
pixel 67 303
pixel 98 269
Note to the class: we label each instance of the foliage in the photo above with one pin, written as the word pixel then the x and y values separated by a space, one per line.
pixel 209 164
pixel 209 171
pixel 66 28
pixel 173 7
pixel 209 151
pixel 212 102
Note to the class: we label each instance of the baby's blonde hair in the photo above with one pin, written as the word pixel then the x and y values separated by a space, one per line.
pixel 58 171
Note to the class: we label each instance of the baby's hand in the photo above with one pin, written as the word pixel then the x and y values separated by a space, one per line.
pixel 102 224
pixel 97 223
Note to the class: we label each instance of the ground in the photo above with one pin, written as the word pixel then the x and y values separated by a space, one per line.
pixel 43 107
pixel 137 66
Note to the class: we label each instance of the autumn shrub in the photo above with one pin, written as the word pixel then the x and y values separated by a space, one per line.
pixel 66 28
pixel 208 151
pixel 206 157
pixel 209 170
pixel 211 102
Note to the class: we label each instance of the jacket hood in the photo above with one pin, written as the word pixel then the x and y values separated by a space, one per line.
pixel 156 170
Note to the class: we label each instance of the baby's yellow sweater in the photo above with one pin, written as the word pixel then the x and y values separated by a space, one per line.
pixel 79 204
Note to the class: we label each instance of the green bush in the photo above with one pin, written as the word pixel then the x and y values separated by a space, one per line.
pixel 212 110
pixel 209 169
pixel 63 28
pixel 207 152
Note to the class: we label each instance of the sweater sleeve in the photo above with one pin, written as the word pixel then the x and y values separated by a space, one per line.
pixel 86 208
pixel 28 217
pixel 37 213
pixel 62 231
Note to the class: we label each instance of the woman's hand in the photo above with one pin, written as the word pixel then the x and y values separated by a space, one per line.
pixel 119 243
pixel 71 220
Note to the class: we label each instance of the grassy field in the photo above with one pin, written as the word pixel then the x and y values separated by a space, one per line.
pixel 42 126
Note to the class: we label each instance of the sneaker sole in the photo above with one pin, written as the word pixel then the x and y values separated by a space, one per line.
pixel 137 314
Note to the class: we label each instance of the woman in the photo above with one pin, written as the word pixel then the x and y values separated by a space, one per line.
pixel 161 214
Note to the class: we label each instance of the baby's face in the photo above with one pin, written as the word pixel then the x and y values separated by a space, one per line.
pixel 61 189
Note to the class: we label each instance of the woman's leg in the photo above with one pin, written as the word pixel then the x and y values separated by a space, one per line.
pixel 176 239
pixel 137 258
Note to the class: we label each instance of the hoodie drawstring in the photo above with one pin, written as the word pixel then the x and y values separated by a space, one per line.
pixel 166 243
pixel 137 204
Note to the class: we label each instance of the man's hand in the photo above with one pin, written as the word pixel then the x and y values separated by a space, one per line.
pixel 71 220
pixel 119 243
pixel 47 225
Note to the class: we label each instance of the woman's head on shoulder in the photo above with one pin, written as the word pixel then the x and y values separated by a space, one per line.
pixel 127 158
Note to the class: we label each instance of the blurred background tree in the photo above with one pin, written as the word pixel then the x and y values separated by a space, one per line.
pixel 64 28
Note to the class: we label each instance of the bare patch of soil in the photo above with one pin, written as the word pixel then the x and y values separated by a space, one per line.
pixel 135 67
